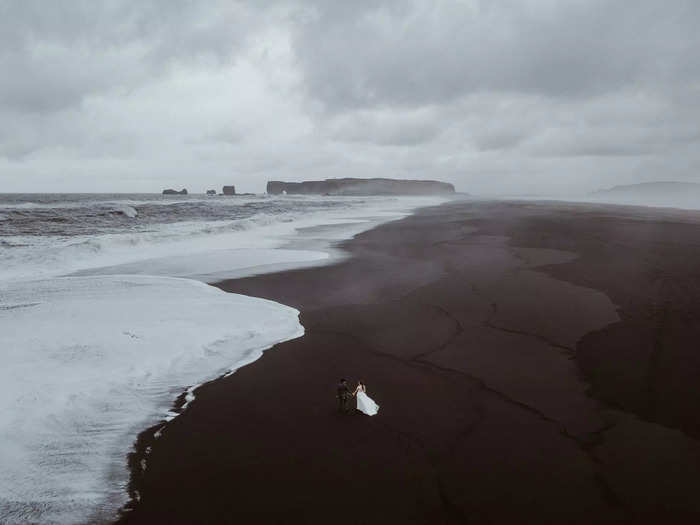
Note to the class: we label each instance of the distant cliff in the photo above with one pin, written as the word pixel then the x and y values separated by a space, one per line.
pixel 170 191
pixel 674 194
pixel 361 187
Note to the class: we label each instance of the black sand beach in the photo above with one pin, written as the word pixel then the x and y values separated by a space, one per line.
pixel 534 363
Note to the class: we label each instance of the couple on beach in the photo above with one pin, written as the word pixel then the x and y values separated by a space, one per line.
pixel 365 404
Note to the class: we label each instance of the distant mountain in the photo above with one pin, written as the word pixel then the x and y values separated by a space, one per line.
pixel 651 188
pixel 674 194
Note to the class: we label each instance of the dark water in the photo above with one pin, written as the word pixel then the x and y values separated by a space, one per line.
pixel 90 214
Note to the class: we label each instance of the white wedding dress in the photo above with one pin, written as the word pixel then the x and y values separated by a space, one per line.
pixel 365 404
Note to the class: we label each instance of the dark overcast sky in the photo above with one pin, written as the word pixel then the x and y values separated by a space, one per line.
pixel 496 96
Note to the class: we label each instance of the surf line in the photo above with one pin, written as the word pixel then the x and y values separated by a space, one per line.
pixel 137 460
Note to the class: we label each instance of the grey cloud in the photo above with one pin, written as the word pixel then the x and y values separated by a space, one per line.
pixel 412 53
pixel 57 53
pixel 499 140
pixel 56 56
pixel 386 128
pixel 227 135
pixel 510 95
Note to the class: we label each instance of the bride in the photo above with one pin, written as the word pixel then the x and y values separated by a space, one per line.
pixel 364 403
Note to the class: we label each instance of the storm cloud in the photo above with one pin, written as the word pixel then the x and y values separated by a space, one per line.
pixel 500 96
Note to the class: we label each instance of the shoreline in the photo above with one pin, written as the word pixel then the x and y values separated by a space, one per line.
pixel 140 315
pixel 332 236
pixel 382 321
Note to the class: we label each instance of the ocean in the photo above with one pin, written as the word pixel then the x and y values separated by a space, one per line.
pixel 106 319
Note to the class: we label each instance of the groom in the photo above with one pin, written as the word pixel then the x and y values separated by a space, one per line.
pixel 343 395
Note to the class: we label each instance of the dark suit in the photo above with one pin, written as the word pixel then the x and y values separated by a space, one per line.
pixel 343 395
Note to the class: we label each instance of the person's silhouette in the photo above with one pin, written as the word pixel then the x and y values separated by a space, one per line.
pixel 343 395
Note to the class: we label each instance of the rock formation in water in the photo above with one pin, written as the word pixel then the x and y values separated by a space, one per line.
pixel 211 192
pixel 352 186
pixel 229 190
pixel 171 191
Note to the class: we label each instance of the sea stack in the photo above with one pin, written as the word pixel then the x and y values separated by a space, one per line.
pixel 171 191
pixel 352 186
pixel 229 190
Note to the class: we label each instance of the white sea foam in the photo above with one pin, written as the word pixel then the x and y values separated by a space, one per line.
pixel 215 265
pixel 21 206
pixel 90 361
pixel 127 210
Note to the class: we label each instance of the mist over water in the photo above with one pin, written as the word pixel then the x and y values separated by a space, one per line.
pixel 684 195
pixel 680 195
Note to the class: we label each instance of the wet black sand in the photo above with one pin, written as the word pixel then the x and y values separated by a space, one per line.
pixel 534 363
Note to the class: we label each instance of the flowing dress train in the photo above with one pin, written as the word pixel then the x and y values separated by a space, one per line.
pixel 366 405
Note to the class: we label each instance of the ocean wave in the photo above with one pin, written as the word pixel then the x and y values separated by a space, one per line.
pixel 172 201
pixel 124 240
pixel 125 209
pixel 21 206
pixel 38 256
pixel 9 244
